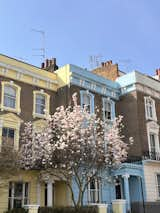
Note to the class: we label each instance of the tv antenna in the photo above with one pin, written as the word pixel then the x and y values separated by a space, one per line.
pixel 95 61
pixel 42 49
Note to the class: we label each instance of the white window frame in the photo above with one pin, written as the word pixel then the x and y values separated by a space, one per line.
pixel 10 120
pixel 97 191
pixel 153 128
pixel 154 116
pixel 91 96
pixel 17 88
pixel 7 135
pixel 112 104
pixel 157 148
pixel 23 193
pixel 42 98
pixel 9 96
pixel 47 104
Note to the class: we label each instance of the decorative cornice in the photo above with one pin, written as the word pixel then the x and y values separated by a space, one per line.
pixel 95 86
pixel 148 90
pixel 21 74
pixel 141 88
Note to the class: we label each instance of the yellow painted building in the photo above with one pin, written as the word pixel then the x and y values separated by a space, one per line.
pixel 27 93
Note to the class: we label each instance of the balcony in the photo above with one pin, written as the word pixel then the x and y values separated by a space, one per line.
pixel 151 155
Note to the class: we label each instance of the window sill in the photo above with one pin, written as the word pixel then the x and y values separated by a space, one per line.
pixel 36 115
pixel 18 111
pixel 151 119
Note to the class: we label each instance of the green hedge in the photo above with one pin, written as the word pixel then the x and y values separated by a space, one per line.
pixel 86 209
pixel 17 210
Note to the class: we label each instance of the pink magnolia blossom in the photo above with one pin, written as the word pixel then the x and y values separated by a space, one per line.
pixel 76 144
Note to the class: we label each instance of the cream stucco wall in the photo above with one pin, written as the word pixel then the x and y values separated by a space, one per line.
pixel 151 169
pixel 62 196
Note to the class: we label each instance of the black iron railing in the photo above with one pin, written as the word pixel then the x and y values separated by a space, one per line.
pixel 151 155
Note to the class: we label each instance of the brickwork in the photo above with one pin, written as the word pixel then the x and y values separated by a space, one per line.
pixel 26 100
pixel 132 107
pixel 107 70
pixel 64 97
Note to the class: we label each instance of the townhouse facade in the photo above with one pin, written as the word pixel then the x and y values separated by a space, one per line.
pixel 29 93
pixel 139 104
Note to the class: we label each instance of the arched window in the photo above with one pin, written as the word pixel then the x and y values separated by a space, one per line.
pixel 150 109
pixel 87 100
pixel 10 97
pixel 108 109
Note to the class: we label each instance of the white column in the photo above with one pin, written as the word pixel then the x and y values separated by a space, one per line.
pixel 49 194
pixel 126 191
pixel 38 193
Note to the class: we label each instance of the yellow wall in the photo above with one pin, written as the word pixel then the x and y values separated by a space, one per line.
pixel 62 194
pixel 24 176
pixel 63 75
pixel 12 65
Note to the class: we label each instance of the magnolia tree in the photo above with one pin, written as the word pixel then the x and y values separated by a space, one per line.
pixel 74 145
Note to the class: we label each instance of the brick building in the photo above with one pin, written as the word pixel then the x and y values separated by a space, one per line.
pixel 139 103
pixel 29 93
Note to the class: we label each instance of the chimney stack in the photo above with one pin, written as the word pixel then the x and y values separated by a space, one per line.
pixel 107 63
pixel 107 70
pixel 49 65
pixel 158 72
pixel 43 65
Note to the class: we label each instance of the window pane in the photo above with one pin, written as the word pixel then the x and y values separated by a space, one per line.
pixel 9 97
pixel 18 188
pixel 40 99
pixel 4 132
pixel 92 184
pixel 40 104
pixel 40 109
pixel 152 141
pixel 10 91
pixel 10 189
pixel 26 189
pixel 86 102
pixel 86 99
pixel 8 132
pixel 20 195
pixel 11 133
pixel 149 105
pixel 17 203
pixel 107 110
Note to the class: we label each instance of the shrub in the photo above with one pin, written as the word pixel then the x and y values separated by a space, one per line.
pixel 17 210
pixel 85 209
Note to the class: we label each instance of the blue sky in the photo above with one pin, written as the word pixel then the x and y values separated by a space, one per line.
pixel 124 31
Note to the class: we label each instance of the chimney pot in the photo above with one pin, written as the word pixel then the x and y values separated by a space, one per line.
pixel 42 65
pixel 53 61
pixel 102 64
pixel 158 71
pixel 47 63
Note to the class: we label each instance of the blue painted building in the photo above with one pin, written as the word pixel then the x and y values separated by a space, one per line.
pixel 127 182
